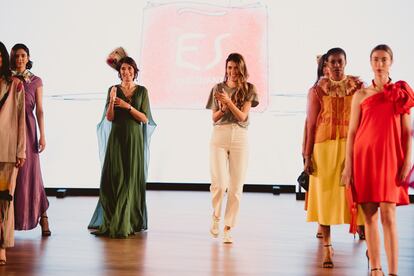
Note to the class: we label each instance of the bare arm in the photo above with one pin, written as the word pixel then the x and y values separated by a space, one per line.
pixel 240 114
pixel 313 110
pixel 40 117
pixel 354 122
pixel 138 115
pixel 218 113
pixel 406 143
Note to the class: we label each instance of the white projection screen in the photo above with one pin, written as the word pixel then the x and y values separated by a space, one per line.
pixel 180 48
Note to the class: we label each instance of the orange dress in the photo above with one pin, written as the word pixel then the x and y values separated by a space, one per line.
pixel 378 150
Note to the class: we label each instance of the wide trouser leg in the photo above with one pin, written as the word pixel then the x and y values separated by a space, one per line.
pixel 219 152
pixel 238 157
pixel 8 175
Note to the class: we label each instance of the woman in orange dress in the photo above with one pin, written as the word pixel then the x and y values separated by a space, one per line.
pixel 378 155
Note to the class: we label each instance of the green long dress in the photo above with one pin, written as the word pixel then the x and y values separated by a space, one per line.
pixel 121 209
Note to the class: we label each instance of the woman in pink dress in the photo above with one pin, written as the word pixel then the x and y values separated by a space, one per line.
pixel 378 155
pixel 30 197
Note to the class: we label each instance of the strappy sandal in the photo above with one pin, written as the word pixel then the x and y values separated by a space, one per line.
pixel 361 233
pixel 377 269
pixel 43 222
pixel 319 235
pixel 328 263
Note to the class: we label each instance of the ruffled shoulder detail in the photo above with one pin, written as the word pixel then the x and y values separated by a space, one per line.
pixel 401 94
pixel 345 87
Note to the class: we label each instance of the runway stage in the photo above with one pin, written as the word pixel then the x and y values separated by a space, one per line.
pixel 272 238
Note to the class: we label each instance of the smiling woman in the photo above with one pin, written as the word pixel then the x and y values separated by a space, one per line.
pixel 230 102
pixel 121 210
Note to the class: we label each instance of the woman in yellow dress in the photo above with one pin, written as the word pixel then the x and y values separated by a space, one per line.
pixel 329 105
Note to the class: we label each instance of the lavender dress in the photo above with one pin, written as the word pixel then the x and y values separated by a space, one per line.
pixel 30 200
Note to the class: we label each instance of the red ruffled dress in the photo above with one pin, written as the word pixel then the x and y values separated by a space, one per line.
pixel 378 150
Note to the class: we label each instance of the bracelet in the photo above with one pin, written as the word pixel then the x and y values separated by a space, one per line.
pixel 129 108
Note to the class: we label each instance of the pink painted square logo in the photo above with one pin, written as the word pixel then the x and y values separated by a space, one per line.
pixel 184 48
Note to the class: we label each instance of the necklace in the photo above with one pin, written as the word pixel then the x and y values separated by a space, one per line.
pixel 376 87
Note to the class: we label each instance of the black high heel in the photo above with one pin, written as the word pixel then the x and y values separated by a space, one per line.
pixel 43 223
pixel 328 264
pixel 361 232
pixel 366 254
pixel 377 269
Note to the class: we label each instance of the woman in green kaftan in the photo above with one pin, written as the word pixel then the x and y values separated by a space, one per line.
pixel 121 210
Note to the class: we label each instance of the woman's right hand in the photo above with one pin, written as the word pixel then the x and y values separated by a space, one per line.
pixel 112 94
pixel 19 162
pixel 346 177
pixel 308 166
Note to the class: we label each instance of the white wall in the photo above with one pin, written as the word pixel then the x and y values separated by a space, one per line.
pixel 69 41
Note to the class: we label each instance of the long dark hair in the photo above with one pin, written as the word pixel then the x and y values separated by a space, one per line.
pixel 13 51
pixel 240 96
pixel 5 64
pixel 321 66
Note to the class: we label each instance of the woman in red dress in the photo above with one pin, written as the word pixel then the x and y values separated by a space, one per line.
pixel 378 155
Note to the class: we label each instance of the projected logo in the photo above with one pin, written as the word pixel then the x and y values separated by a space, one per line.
pixel 184 47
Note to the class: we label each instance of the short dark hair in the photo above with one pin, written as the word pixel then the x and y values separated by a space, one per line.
pixel 129 61
pixel 5 65
pixel 382 47
pixel 19 46
pixel 335 51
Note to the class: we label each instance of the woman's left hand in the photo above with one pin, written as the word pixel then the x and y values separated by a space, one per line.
pixel 42 144
pixel 223 97
pixel 405 170
pixel 121 103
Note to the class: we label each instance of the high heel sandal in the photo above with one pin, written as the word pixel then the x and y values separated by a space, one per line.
pixel 361 233
pixel 377 269
pixel 43 223
pixel 328 263
pixel 366 254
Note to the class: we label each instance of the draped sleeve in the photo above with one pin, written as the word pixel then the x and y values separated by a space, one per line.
pixel 103 130
pixel 148 128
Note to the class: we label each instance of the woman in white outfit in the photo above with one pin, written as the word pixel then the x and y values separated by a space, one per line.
pixel 230 102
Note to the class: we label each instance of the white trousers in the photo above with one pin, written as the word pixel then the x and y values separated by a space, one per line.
pixel 228 165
